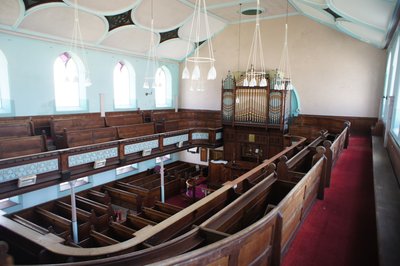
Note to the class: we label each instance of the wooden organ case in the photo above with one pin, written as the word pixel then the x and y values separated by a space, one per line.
pixel 254 119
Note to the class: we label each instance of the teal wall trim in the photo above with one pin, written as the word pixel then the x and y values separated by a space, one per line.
pixel 16 172
pixel 132 148
pixel 199 135
pixel 90 157
pixel 175 139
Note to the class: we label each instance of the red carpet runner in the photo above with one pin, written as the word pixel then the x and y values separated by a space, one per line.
pixel 341 229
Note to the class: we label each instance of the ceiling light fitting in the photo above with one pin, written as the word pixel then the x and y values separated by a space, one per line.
pixel 255 73
pixel 77 45
pixel 152 61
pixel 283 80
pixel 199 13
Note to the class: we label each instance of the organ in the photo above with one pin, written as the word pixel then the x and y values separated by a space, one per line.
pixel 254 119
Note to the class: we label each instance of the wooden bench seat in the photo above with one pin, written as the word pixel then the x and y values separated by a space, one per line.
pixel 30 224
pixel 167 208
pixel 136 130
pixel 75 138
pixel 90 205
pixel 22 146
pixel 59 223
pixel 57 127
pixel 122 231
pixel 149 196
pixel 81 215
pixel 123 120
pixel 99 196
pixel 15 129
pixel 102 239
pixel 124 198
pixel 138 222
pixel 154 215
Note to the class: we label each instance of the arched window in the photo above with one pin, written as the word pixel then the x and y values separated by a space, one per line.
pixel 69 83
pixel 124 86
pixel 5 106
pixel 163 89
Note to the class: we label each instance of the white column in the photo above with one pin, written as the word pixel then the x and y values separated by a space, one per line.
pixel 73 212
pixel 162 180
pixel 176 103
pixel 102 110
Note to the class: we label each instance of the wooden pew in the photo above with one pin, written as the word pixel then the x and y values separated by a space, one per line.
pixel 149 196
pixel 102 240
pixel 15 129
pixel 30 224
pixel 75 138
pixel 123 120
pixel 81 215
pixel 57 127
pixel 145 179
pixel 137 130
pixel 139 222
pixel 167 208
pixel 22 146
pixel 99 196
pixel 59 223
pixel 122 230
pixel 124 198
pixel 89 205
pixel 154 215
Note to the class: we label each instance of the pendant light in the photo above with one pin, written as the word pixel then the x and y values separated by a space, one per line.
pixel 152 62
pixel 255 74
pixel 199 14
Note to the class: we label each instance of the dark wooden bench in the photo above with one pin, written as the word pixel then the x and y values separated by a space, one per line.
pixel 75 138
pixel 124 198
pixel 57 127
pixel 14 129
pixel 21 146
pixel 154 215
pixel 139 222
pixel 149 196
pixel 136 130
pixel 123 120
pixel 167 208
pixel 102 240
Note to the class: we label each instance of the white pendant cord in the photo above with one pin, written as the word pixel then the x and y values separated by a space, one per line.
pixel 256 53
pixel 77 41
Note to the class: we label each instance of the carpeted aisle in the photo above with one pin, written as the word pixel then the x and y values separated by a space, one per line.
pixel 341 230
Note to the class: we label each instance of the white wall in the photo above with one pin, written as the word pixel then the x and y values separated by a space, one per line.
pixel 333 73
pixel 194 158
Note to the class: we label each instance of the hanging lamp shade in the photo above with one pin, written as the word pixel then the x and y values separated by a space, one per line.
pixel 255 65
pixel 152 61
pixel 199 15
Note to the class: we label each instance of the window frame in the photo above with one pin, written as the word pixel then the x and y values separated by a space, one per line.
pixel 81 73
pixel 5 100
pixel 168 88
pixel 132 87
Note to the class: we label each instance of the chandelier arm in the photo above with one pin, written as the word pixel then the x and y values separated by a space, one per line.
pixel 240 23
pixel 209 43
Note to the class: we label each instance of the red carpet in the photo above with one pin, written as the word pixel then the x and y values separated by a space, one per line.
pixel 341 229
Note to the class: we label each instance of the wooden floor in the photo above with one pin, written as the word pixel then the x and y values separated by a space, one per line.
pixel 387 205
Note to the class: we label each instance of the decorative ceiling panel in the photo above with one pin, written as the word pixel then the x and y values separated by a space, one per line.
pixel 375 13
pixel 119 20
pixel 270 9
pixel 32 3
pixel 168 15
pixel 10 11
pixel 315 13
pixel 165 36
pixel 59 21
pixel 363 33
pixel 130 38
pixel 105 7
pixel 174 49
pixel 216 26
